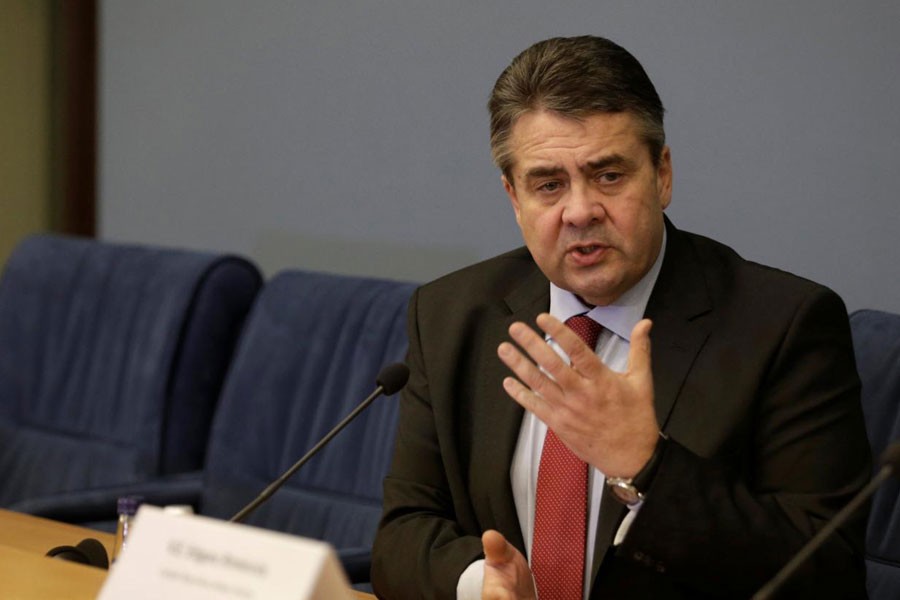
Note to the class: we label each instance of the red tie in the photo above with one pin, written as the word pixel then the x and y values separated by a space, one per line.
pixel 560 514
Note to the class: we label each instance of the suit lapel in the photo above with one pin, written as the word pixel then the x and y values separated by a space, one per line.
pixel 502 414
pixel 678 307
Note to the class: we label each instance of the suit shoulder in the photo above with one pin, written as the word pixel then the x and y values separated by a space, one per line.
pixel 491 278
pixel 734 276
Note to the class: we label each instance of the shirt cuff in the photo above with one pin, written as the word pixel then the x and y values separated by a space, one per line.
pixel 622 531
pixel 471 581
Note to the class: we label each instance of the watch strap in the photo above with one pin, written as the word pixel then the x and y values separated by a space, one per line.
pixel 645 476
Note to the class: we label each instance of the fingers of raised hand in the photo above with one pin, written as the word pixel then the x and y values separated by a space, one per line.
pixel 639 352
pixel 521 394
pixel 532 386
pixel 541 352
pixel 583 359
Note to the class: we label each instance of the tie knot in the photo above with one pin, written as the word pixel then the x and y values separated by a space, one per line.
pixel 586 328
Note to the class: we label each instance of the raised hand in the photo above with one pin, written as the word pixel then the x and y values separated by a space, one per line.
pixel 606 418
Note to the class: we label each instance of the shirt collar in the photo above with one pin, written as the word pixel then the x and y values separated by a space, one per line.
pixel 621 316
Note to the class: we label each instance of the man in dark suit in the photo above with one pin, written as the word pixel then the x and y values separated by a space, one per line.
pixel 693 465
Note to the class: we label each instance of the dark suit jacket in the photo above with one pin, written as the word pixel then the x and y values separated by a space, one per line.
pixel 755 383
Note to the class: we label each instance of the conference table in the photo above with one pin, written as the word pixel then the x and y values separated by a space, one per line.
pixel 27 574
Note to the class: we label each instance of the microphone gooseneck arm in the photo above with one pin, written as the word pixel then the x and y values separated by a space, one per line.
pixel 390 380
pixel 890 460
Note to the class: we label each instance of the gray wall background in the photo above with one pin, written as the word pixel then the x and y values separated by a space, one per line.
pixel 352 136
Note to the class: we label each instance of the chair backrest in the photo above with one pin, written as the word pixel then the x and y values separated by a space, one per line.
pixel 112 358
pixel 876 340
pixel 311 349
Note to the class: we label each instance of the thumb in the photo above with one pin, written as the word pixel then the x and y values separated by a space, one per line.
pixel 639 350
pixel 497 550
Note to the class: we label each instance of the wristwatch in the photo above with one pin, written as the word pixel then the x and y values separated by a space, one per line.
pixel 630 490
pixel 624 490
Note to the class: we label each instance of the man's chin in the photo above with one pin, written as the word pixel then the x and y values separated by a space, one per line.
pixel 589 295
pixel 593 293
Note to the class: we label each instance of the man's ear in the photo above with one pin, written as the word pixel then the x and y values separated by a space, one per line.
pixel 664 178
pixel 513 197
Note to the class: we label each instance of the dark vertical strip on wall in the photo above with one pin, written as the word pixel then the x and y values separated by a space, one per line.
pixel 74 118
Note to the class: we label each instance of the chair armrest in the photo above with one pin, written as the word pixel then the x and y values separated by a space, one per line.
pixel 99 504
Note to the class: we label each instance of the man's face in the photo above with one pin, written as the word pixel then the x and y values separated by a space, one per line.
pixel 588 199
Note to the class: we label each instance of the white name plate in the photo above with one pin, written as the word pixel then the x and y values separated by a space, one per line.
pixel 185 556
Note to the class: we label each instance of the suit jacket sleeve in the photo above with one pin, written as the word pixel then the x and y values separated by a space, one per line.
pixel 421 548
pixel 751 484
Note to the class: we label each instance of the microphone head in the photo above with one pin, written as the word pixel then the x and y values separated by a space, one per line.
pixel 891 457
pixel 392 378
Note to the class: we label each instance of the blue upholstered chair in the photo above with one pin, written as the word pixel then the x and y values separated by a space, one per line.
pixel 112 359
pixel 311 349
pixel 876 339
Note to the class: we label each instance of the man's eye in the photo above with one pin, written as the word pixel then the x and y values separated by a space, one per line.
pixel 608 177
pixel 550 186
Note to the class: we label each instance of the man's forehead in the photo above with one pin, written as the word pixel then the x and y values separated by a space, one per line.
pixel 544 142
pixel 580 119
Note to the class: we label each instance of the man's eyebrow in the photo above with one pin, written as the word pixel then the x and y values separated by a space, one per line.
pixel 538 172
pixel 592 165
pixel 608 161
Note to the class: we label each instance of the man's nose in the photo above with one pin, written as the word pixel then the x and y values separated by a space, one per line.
pixel 582 207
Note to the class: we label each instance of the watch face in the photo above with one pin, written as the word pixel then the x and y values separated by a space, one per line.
pixel 625 492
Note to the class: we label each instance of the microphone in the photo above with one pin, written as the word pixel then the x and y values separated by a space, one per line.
pixel 890 461
pixel 390 380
